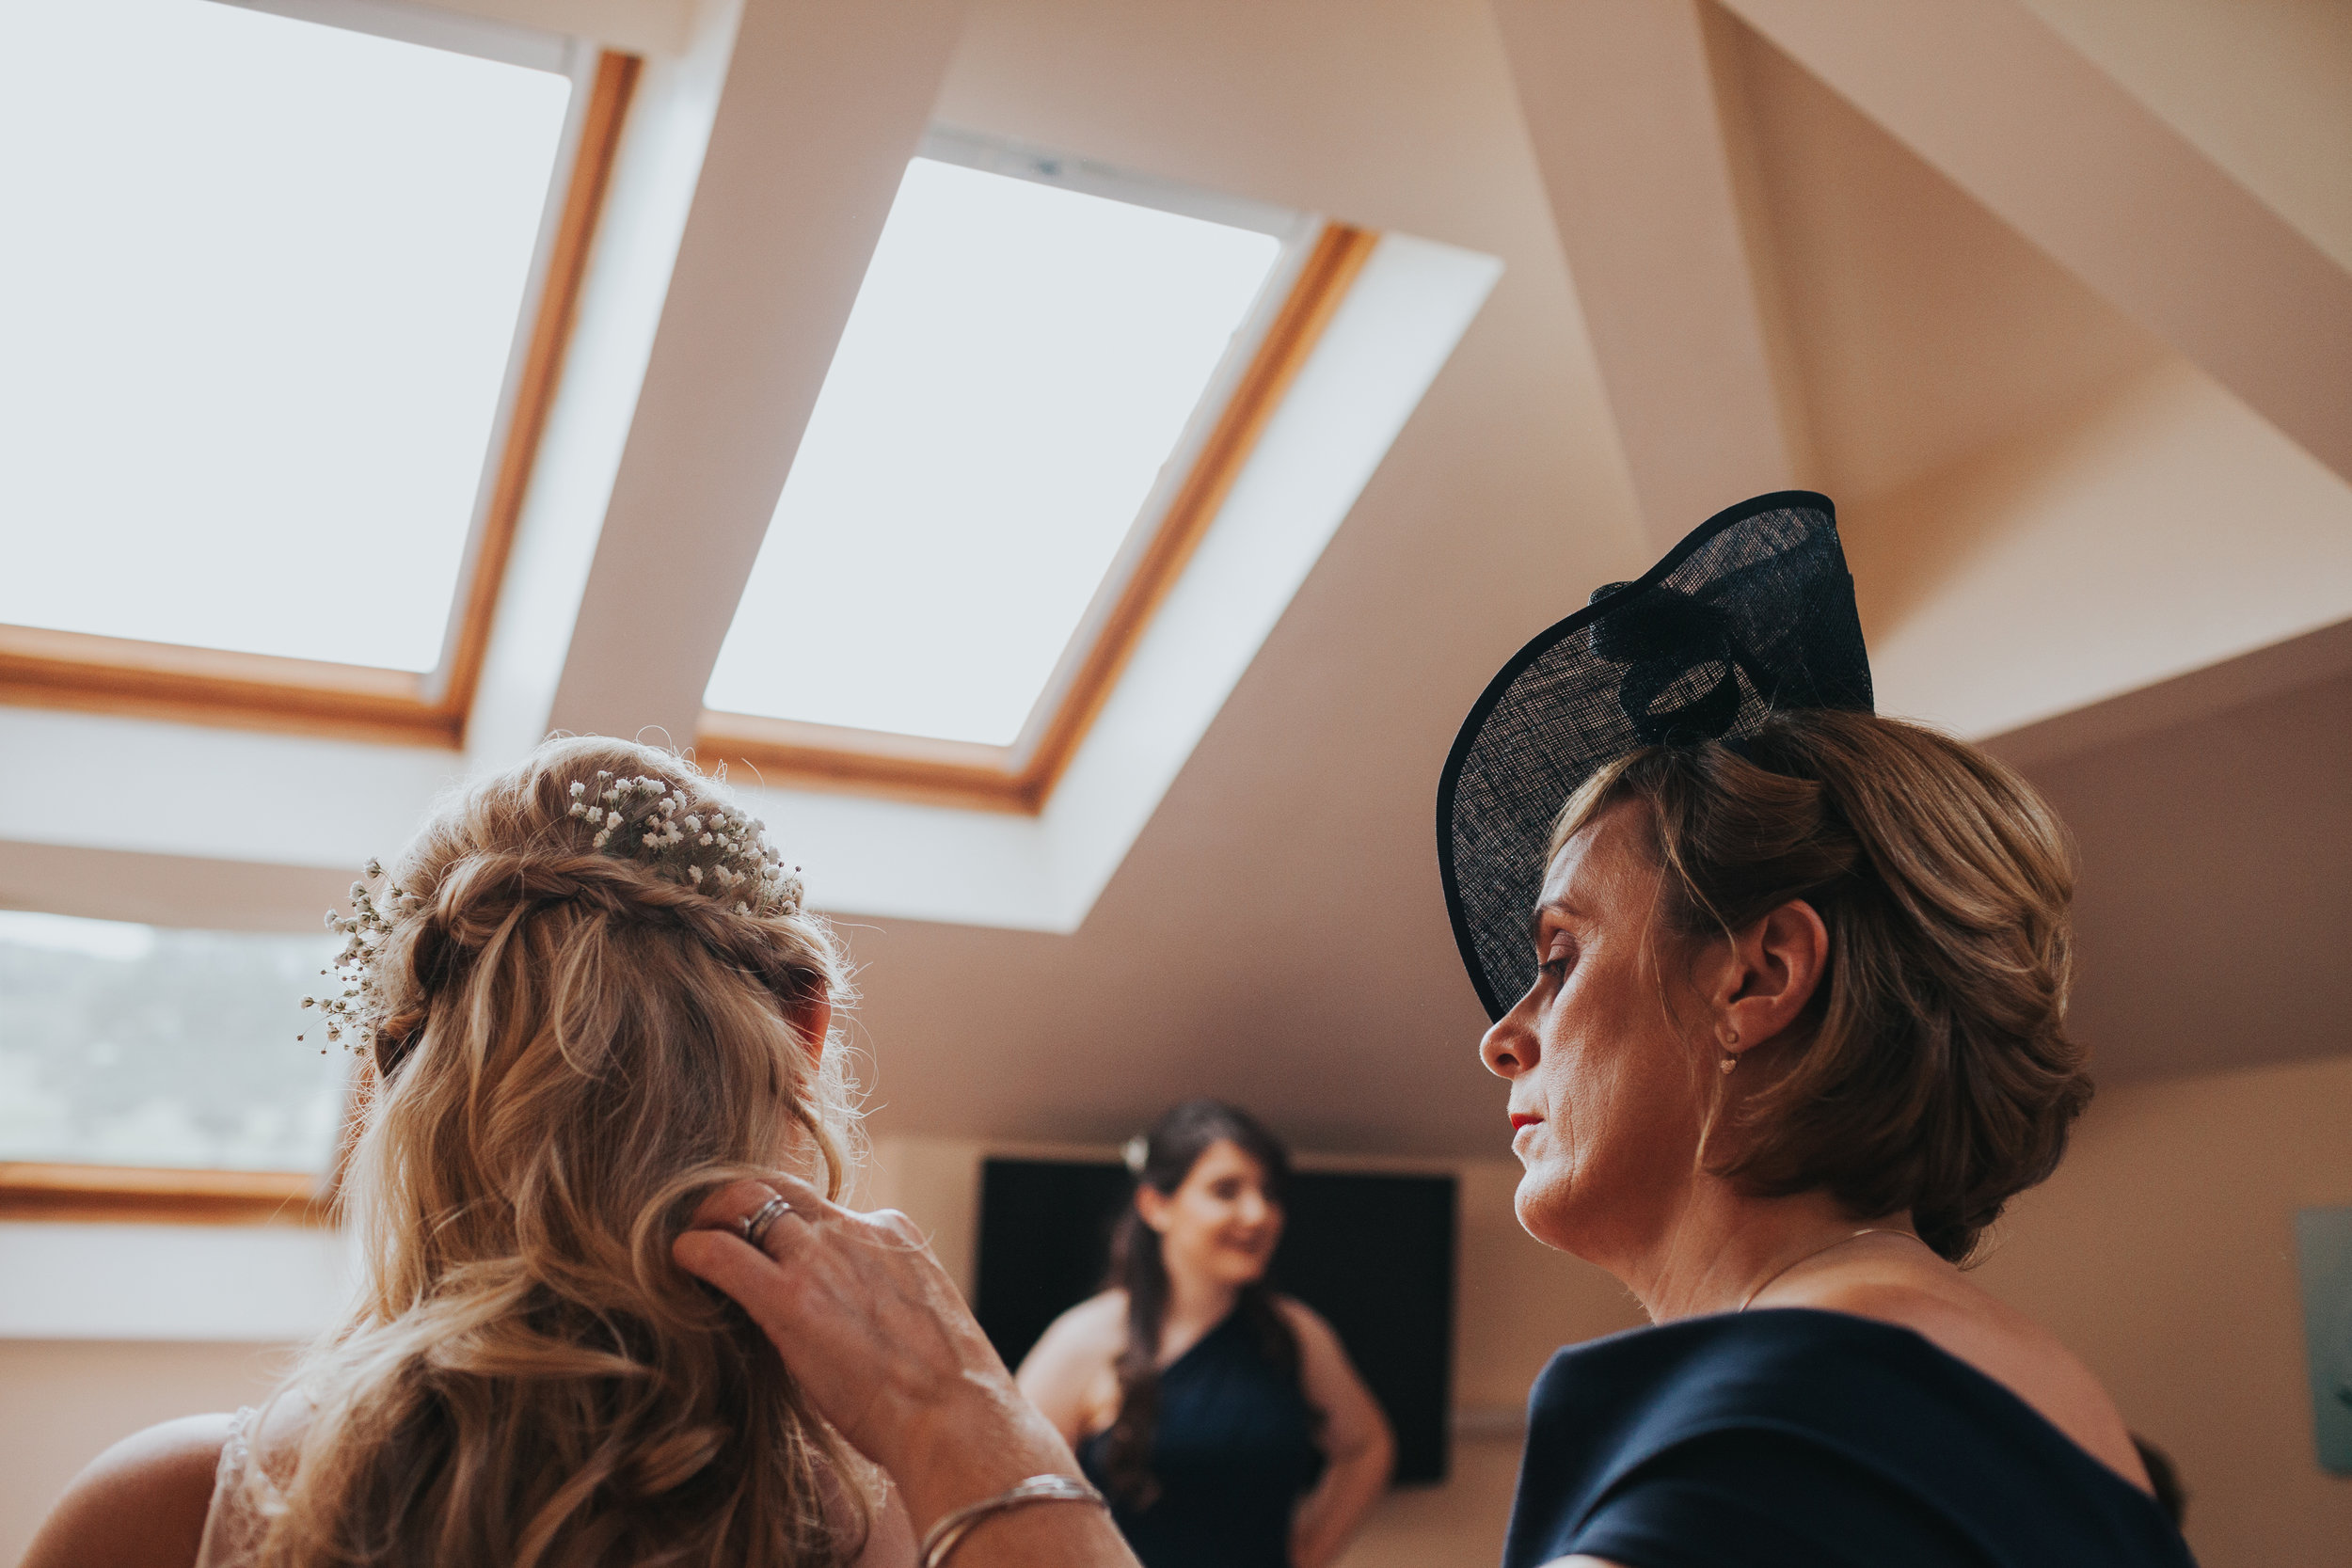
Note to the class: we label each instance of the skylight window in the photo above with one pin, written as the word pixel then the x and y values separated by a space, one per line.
pixel 133 1045
pixel 1023 362
pixel 258 306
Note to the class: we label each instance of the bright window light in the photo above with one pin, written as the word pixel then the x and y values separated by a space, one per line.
pixel 257 294
pixel 1021 361
pixel 131 1045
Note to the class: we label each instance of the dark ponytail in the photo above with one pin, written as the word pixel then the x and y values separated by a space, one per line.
pixel 1172 1148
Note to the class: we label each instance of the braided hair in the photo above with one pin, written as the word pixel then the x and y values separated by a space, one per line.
pixel 571 1044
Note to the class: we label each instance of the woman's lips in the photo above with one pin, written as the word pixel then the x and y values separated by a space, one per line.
pixel 1523 1118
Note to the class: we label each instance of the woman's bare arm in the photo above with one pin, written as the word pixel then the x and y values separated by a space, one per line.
pixel 1064 1374
pixel 141 1504
pixel 1356 1439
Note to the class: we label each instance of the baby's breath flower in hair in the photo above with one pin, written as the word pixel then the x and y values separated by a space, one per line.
pixel 638 820
pixel 350 1012
pixel 635 820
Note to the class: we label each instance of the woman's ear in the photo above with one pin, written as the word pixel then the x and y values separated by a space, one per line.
pixel 1153 1205
pixel 1775 966
pixel 814 1020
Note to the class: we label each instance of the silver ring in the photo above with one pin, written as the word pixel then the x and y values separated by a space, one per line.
pixel 756 1224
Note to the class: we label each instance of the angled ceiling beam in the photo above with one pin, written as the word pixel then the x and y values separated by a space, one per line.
pixel 1620 104
pixel 824 103
pixel 2009 110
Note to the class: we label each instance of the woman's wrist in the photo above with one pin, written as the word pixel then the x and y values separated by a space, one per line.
pixel 977 1442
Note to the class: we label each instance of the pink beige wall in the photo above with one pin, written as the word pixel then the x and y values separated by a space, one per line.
pixel 2162 1251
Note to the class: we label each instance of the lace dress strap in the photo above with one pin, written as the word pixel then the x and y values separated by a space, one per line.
pixel 234 1524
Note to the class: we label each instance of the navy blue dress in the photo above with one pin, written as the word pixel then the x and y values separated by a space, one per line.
pixel 1233 1451
pixel 1812 1440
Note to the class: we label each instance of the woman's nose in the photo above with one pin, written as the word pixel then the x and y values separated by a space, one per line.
pixel 1508 1049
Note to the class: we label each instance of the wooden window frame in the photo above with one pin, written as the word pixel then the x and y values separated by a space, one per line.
pixel 253 690
pixel 151 1194
pixel 40 668
pixel 1021 778
pixel 67 1192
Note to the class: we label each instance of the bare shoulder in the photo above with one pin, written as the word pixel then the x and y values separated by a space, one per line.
pixel 140 1503
pixel 1077 1346
pixel 1096 1324
pixel 1070 1375
pixel 1314 1334
pixel 1971 1325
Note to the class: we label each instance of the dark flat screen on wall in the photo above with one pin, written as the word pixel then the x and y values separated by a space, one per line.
pixel 1373 1253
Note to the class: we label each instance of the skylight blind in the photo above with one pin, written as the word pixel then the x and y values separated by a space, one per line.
pixel 1021 364
pixel 257 302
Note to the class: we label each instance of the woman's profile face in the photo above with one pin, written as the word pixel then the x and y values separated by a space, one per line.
pixel 1606 1099
pixel 1220 1225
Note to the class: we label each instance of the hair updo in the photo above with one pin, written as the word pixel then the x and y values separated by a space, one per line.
pixel 572 1045
pixel 1932 1074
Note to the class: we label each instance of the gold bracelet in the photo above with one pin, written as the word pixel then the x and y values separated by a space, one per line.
pixel 950 1533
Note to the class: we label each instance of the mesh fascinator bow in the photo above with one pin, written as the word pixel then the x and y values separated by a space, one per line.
pixel 1752 613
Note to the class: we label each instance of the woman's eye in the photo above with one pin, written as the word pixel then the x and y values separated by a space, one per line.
pixel 1556 964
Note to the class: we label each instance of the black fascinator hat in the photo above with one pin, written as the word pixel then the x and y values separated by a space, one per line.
pixel 1752 613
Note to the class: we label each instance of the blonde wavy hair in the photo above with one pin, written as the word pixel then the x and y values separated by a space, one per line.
pixel 572 1049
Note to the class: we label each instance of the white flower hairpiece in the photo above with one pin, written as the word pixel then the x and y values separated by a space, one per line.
pixel 350 1013
pixel 722 854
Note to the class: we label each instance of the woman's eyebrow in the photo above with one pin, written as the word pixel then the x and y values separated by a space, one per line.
pixel 1535 917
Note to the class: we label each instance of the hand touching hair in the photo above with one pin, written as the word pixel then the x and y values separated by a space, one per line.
pixel 575 1036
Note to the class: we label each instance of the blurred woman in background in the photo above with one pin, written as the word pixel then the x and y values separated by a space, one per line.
pixel 1223 1420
